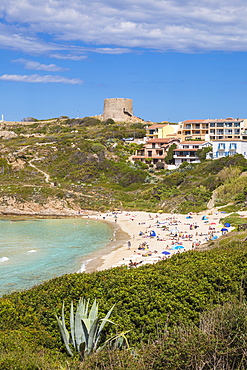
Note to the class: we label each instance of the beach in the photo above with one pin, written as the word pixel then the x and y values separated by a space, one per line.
pixel 150 237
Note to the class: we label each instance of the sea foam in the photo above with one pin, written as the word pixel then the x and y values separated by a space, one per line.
pixel 4 259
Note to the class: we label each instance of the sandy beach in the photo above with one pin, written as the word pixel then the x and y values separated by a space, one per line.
pixel 151 237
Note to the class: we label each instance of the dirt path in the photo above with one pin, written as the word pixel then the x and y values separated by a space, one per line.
pixel 46 175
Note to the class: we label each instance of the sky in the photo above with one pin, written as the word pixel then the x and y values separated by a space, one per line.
pixel 177 59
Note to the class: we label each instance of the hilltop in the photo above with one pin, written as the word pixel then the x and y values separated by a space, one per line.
pixel 64 165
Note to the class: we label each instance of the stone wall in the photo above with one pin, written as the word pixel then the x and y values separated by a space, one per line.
pixel 119 109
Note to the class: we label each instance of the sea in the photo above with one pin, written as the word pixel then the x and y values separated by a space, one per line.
pixel 35 250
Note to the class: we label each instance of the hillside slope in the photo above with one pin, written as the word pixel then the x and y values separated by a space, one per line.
pixel 50 166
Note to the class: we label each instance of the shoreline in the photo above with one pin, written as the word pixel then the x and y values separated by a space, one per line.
pixel 193 232
pixel 96 259
pixel 128 226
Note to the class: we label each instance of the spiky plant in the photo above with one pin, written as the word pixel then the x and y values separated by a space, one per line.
pixel 85 327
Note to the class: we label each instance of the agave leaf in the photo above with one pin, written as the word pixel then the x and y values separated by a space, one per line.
pixel 64 325
pixel 72 324
pixel 64 335
pixel 92 337
pixel 85 334
pixel 93 314
pixel 103 322
pixel 86 305
pixel 117 341
pixel 79 337
pixel 82 350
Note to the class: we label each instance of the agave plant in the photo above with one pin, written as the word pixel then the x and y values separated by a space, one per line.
pixel 85 327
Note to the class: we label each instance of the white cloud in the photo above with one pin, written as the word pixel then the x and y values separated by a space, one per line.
pixel 66 28
pixel 35 78
pixel 30 64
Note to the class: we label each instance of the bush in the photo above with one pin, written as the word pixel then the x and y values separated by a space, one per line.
pixel 160 166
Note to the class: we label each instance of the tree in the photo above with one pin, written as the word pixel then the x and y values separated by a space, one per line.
pixel 169 158
pixel 202 153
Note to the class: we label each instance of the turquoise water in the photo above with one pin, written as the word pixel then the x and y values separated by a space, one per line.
pixel 33 251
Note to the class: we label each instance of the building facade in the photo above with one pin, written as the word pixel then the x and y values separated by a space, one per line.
pixel 154 151
pixel 227 147
pixel 187 151
pixel 213 129
pixel 161 131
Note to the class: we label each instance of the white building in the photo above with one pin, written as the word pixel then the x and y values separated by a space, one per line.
pixel 186 151
pixel 226 147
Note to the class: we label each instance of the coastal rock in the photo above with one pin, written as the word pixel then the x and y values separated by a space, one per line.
pixel 53 207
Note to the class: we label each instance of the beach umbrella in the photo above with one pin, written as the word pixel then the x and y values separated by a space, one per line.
pixel 227 224
pixel 224 229
pixel 160 210
pixel 166 252
pixel 152 233
pixel 174 231
pixel 215 237
pixel 213 223
pixel 189 217
pixel 178 247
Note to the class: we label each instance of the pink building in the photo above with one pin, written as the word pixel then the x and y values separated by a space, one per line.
pixel 154 151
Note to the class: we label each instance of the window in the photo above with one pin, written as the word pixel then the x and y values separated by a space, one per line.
pixel 233 146
pixel 220 124
pixel 185 146
pixel 212 124
pixel 195 146
pixel 221 146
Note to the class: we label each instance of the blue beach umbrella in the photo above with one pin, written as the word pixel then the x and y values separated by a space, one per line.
pixel 227 224
pixel 224 229
pixel 166 252
pixel 215 237
pixel 178 247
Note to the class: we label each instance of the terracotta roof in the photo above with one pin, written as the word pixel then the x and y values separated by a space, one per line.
pixel 212 120
pixel 196 142
pixel 194 121
pixel 166 140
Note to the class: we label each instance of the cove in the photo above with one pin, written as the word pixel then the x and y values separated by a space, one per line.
pixel 35 250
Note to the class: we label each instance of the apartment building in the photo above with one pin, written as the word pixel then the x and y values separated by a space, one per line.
pixel 154 151
pixel 187 151
pixel 161 131
pixel 213 129
pixel 227 147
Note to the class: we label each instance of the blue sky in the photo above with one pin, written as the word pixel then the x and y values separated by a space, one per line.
pixel 176 59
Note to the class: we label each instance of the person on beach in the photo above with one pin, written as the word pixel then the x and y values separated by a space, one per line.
pixel 129 244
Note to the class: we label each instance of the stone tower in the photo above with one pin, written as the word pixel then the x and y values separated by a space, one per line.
pixel 119 109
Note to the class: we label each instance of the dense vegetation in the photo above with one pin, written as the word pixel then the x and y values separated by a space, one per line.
pixel 89 168
pixel 162 305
